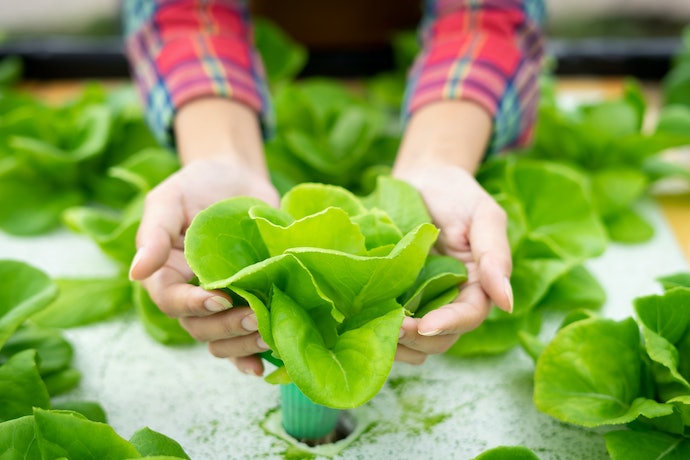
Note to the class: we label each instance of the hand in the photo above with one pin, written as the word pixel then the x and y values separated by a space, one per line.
pixel 472 229
pixel 443 145
pixel 161 266
pixel 219 142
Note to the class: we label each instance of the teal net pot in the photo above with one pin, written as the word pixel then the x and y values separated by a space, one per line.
pixel 303 419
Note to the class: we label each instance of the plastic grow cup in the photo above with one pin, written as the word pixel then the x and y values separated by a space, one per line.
pixel 303 419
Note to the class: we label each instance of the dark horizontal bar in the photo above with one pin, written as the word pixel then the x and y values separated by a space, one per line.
pixel 58 57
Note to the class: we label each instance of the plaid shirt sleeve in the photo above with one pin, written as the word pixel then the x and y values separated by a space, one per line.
pixel 180 50
pixel 486 51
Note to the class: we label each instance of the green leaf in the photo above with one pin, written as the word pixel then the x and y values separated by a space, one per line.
pixel 616 189
pixel 21 386
pixel 556 208
pixel 91 410
pixel 33 207
pixel 18 439
pixel 665 320
pixel 54 352
pixel 676 280
pixel 62 381
pixel 146 169
pixel 628 227
pixel 113 232
pixel 507 453
pixel 401 201
pixel 497 334
pixel 439 274
pixel 532 280
pixel 531 344
pixel 370 280
pixel 307 199
pixel 86 300
pixel 64 434
pixel 25 290
pixel 150 443
pixel 590 375
pixel 577 288
pixel 634 445
pixel 328 229
pixel 346 374
pixel 209 256
pixel 283 58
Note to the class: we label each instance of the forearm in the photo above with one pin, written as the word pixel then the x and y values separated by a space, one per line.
pixel 219 128
pixel 184 50
pixel 446 133
pixel 484 51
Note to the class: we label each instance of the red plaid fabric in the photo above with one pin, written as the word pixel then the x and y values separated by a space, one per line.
pixel 487 51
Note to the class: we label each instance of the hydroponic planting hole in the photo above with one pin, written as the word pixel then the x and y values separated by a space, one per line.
pixel 344 428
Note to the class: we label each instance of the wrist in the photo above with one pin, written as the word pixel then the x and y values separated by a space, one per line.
pixel 219 129
pixel 445 134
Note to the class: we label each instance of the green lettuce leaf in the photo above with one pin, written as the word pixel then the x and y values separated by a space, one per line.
pixel 590 375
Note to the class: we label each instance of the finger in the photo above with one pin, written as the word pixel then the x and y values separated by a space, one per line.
pixel 251 365
pixel 410 356
pixel 238 346
pixel 463 315
pixel 170 291
pixel 428 345
pixel 491 252
pixel 236 322
pixel 161 225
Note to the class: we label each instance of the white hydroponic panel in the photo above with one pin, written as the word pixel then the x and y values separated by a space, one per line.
pixel 448 408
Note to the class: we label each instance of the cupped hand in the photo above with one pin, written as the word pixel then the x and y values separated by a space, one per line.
pixel 473 229
pixel 161 266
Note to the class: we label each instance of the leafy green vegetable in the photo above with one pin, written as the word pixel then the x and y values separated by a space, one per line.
pixel 676 280
pixel 25 291
pixel 282 57
pixel 327 134
pixel 627 444
pixel 507 453
pixel 21 386
pixel 606 139
pixel 590 375
pixel 150 443
pixel 327 275
pixel 665 323
pixel 86 300
pixel 55 157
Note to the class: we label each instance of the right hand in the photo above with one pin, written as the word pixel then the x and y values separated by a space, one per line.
pixel 161 266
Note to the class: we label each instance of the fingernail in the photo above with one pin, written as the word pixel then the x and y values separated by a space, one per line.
pixel 430 333
pixel 250 323
pixel 217 303
pixel 261 344
pixel 509 293
pixel 135 262
pixel 249 371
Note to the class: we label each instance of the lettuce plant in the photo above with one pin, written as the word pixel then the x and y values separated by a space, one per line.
pixel 599 372
pixel 54 157
pixel 622 159
pixel 330 277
